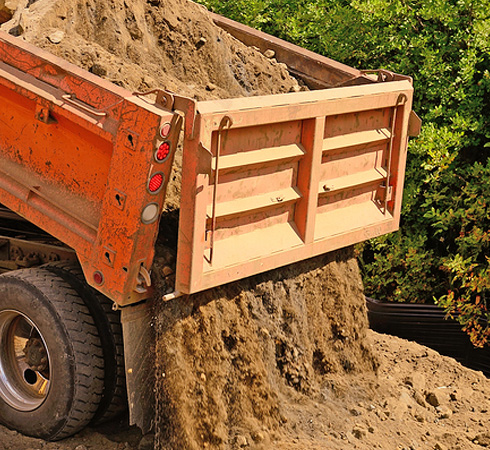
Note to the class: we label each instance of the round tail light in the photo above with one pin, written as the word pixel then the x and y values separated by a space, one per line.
pixel 162 152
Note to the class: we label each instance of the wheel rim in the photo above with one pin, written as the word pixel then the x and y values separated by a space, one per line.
pixel 24 362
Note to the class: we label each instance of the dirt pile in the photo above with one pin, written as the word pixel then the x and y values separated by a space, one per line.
pixel 170 44
pixel 419 400
pixel 235 362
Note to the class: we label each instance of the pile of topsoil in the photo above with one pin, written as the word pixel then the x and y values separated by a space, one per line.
pixel 234 364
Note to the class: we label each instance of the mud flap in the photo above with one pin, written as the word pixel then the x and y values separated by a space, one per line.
pixel 139 356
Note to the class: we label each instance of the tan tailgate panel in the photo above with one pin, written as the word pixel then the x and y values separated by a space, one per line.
pixel 271 181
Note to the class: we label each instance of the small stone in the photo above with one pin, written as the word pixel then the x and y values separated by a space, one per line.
pixel 455 396
pixel 56 37
pixel 241 441
pixel 81 447
pixel 258 436
pixel 444 412
pixel 434 398
pixel 439 446
pixel 98 70
pixel 167 271
pixel 211 87
pixel 359 432
pixel 269 53
pixel 355 412
pixel 203 376
pixel 201 42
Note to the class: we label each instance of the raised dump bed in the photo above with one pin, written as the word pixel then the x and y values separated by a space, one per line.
pixel 267 181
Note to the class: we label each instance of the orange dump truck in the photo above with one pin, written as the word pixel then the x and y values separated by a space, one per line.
pixel 84 166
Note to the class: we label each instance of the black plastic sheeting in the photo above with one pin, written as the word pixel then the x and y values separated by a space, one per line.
pixel 426 325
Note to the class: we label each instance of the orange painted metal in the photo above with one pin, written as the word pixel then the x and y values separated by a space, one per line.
pixel 266 181
pixel 76 157
pixel 298 175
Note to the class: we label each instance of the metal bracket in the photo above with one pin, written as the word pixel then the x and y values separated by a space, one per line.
pixel 43 114
pixel 73 101
pixel 414 124
pixel 176 103
pixel 384 194
pixel 386 75
pixel 383 75
pixel 143 279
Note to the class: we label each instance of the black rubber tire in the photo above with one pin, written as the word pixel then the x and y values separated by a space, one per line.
pixel 114 398
pixel 75 354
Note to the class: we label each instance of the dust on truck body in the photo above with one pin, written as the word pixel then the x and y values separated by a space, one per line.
pixel 266 181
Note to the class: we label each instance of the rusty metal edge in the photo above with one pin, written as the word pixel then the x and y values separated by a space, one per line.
pixel 139 358
pixel 297 58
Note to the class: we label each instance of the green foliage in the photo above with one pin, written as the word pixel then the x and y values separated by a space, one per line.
pixel 441 251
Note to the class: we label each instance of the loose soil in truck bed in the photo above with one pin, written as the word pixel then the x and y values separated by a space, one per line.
pixel 280 360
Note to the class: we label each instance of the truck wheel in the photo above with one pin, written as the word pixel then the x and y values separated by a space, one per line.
pixel 51 365
pixel 108 322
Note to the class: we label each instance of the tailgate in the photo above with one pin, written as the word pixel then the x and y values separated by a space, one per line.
pixel 269 181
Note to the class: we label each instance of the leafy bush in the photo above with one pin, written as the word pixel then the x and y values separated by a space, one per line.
pixel 441 251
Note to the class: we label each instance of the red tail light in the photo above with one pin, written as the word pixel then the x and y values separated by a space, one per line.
pixel 98 277
pixel 156 182
pixel 162 152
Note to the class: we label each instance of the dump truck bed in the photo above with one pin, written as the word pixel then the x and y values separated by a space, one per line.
pixel 266 181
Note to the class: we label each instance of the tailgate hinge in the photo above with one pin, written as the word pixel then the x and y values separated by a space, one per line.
pixel 43 114
pixel 176 103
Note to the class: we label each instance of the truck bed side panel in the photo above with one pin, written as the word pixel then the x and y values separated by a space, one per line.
pixel 77 155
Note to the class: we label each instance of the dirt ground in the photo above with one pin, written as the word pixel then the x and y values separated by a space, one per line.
pixel 418 400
